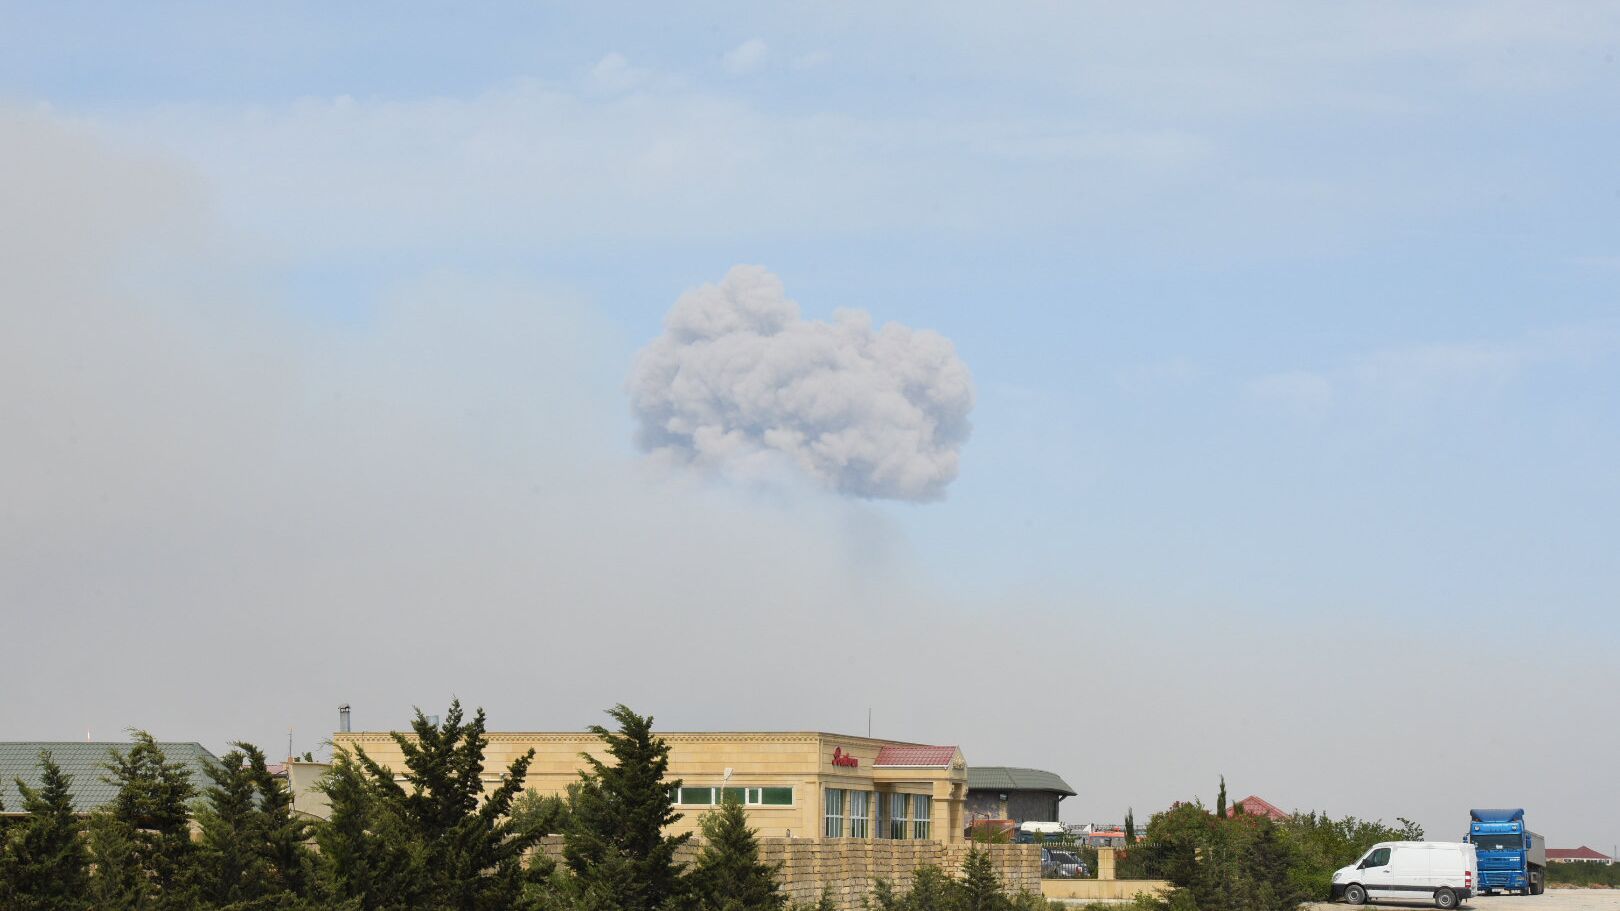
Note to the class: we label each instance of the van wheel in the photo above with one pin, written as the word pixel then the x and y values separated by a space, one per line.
pixel 1355 895
pixel 1445 898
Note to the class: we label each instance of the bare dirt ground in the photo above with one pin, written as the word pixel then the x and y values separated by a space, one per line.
pixel 1551 900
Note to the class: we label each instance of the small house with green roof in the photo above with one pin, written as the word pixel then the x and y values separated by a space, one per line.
pixel 1019 794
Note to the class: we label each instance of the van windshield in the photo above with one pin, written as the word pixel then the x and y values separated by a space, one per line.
pixel 1511 841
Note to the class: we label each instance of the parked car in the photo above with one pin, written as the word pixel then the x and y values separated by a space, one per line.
pixel 1061 865
pixel 1439 870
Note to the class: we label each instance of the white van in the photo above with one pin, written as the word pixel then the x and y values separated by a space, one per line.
pixel 1443 871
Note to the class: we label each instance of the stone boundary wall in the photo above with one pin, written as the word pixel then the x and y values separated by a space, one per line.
pixel 1100 890
pixel 850 866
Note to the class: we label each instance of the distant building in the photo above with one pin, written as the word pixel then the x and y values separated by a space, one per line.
pixel 804 784
pixel 1581 855
pixel 1255 806
pixel 87 764
pixel 1102 835
pixel 1021 795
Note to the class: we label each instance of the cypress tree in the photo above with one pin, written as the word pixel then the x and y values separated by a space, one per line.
pixel 6 890
pixel 728 874
pixel 45 864
pixel 286 835
pixel 231 845
pixel 980 887
pixel 150 813
pixel 252 846
pixel 616 846
pixel 468 850
pixel 884 897
pixel 1130 827
pixel 931 890
pixel 1220 801
pixel 120 881
pixel 367 859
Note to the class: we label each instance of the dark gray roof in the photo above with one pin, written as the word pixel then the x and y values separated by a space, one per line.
pixel 86 763
pixel 1010 778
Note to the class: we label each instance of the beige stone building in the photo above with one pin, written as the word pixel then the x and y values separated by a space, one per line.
pixel 794 785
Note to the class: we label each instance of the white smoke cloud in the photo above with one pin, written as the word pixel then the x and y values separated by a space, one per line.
pixel 739 382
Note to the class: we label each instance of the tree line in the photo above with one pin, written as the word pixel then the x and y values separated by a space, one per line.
pixel 1224 860
pixel 432 838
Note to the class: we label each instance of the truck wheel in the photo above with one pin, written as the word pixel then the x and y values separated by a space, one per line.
pixel 1445 898
pixel 1355 895
pixel 1537 885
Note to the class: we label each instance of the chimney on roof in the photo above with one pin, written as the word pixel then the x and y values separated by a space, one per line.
pixel 343 718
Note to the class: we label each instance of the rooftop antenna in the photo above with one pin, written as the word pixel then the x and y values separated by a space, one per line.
pixel 868 722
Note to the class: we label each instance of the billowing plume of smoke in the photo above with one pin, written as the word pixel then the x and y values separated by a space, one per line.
pixel 740 383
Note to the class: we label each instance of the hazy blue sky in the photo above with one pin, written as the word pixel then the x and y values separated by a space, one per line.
pixel 1294 331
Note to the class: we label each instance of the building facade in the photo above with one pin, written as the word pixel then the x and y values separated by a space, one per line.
pixel 792 784
pixel 1013 793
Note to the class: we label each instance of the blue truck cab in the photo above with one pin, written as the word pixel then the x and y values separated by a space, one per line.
pixel 1510 855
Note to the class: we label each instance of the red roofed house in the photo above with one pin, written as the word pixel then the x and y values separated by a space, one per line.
pixel 1255 806
pixel 1581 855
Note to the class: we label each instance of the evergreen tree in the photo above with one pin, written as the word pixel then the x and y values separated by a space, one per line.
pixel 980 887
pixel 231 854
pixel 541 814
pixel 1220 800
pixel 252 846
pixel 286 834
pixel 367 859
pixel 1130 826
pixel 119 881
pixel 464 854
pixel 616 848
pixel 149 814
pixel 729 875
pixel 884 897
pixel 931 890
pixel 6 891
pixel 45 867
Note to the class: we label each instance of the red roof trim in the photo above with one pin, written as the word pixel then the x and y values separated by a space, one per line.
pixel 915 757
pixel 1581 853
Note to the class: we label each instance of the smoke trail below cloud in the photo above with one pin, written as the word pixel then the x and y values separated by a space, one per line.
pixel 741 384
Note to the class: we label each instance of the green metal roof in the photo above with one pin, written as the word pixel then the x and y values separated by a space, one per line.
pixel 86 763
pixel 1010 778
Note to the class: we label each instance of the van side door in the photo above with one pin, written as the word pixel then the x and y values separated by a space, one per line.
pixel 1376 875
pixel 1409 874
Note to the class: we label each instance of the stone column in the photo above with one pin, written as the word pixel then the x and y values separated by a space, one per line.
pixel 1105 863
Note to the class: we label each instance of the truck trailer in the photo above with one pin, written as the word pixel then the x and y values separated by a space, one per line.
pixel 1510 855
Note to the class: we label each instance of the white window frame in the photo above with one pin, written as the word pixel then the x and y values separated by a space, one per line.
pixel 833 800
pixel 922 816
pixel 899 816
pixel 860 814
pixel 752 796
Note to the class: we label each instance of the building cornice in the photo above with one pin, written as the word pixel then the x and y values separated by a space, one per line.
pixel 672 736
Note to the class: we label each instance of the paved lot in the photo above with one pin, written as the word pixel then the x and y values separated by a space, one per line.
pixel 1552 900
